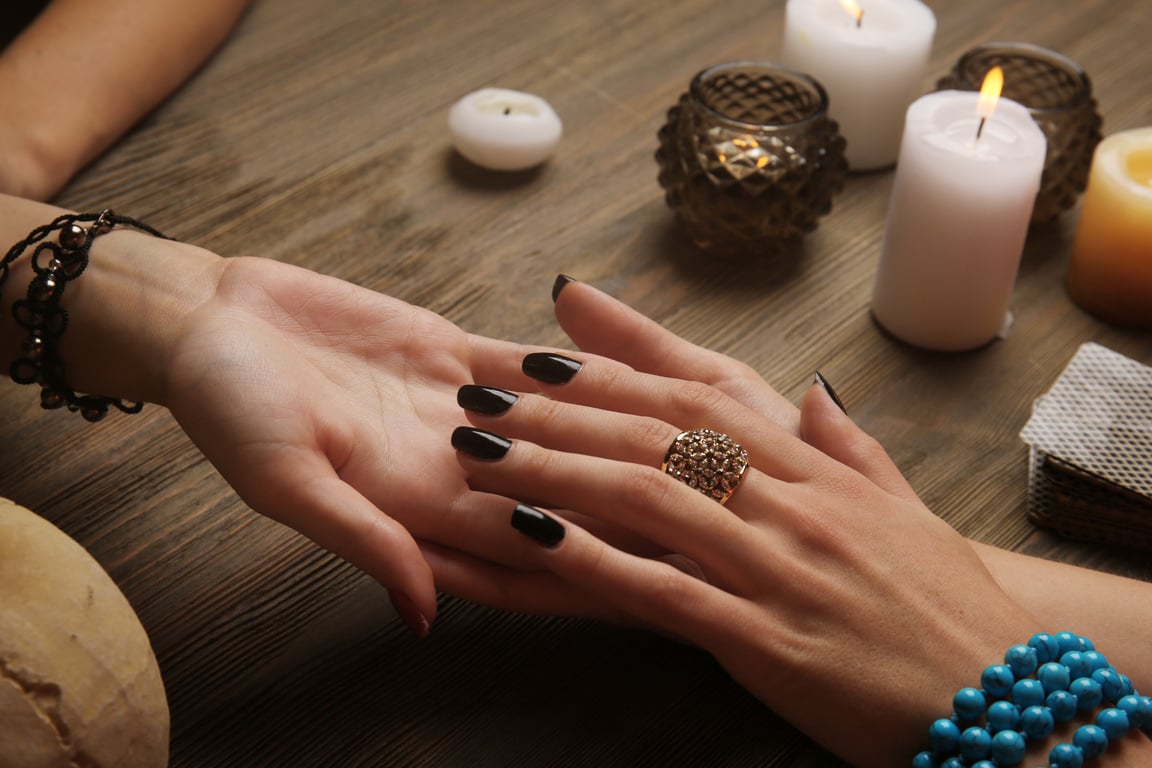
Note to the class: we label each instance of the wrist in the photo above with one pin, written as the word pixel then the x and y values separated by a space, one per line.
pixel 125 310
pixel 128 310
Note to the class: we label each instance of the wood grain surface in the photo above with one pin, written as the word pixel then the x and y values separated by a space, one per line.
pixel 318 137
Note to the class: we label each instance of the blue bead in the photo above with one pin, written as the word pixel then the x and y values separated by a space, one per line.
pixel 1066 756
pixel 1062 705
pixel 983 764
pixel 1068 642
pixel 969 703
pixel 1110 683
pixel 1078 665
pixel 925 760
pixel 1028 693
pixel 1131 705
pixel 1008 747
pixel 997 680
pixel 1091 739
pixel 975 743
pixel 944 736
pixel 1047 647
pixel 1114 722
pixel 1087 692
pixel 1145 712
pixel 1086 644
pixel 1002 716
pixel 1128 689
pixel 1022 660
pixel 1054 677
pixel 1037 722
pixel 1096 660
pixel 953 762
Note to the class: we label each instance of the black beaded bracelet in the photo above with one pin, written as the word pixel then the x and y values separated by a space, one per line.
pixel 45 320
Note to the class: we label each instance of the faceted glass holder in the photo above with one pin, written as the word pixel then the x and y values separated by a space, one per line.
pixel 749 158
pixel 1058 94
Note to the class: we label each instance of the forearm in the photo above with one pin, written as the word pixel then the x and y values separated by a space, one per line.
pixel 123 313
pixel 1113 611
pixel 83 73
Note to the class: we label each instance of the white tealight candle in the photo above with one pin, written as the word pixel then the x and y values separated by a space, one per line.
pixel 504 130
pixel 870 56
pixel 957 221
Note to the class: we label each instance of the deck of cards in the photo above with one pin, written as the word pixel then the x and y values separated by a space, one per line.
pixel 1090 440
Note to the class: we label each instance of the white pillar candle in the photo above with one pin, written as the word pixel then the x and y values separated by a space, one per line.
pixel 957 221
pixel 504 130
pixel 871 71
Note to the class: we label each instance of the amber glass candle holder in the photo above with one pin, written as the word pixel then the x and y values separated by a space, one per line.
pixel 1058 94
pixel 749 158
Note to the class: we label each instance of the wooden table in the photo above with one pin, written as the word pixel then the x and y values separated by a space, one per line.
pixel 318 137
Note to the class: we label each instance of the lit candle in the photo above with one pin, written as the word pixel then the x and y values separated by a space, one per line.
pixel 1110 274
pixel 870 56
pixel 504 130
pixel 957 219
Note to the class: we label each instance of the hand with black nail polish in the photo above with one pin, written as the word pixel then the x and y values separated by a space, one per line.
pixel 820 553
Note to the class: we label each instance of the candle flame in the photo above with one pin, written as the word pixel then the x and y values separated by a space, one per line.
pixel 990 92
pixel 853 8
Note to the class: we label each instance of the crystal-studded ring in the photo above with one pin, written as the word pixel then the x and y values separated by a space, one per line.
pixel 709 461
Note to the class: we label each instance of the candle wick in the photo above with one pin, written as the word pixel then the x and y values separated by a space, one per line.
pixel 859 18
pixel 980 128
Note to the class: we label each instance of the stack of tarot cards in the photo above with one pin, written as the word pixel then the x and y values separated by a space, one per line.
pixel 1090 440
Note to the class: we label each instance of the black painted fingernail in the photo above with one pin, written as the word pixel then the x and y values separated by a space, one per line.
pixel 550 368
pixel 561 281
pixel 831 392
pixel 487 400
pixel 480 444
pixel 537 526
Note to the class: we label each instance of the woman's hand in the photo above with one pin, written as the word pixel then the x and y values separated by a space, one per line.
pixel 325 406
pixel 842 603
pixel 1094 603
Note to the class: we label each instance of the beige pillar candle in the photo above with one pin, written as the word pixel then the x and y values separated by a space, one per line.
pixel 1110 274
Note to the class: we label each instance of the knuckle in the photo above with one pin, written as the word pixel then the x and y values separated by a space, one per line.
pixel 650 490
pixel 533 460
pixel 610 375
pixel 692 399
pixel 670 589
pixel 548 414
pixel 646 435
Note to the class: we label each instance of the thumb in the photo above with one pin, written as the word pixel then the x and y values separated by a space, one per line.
pixel 825 425
pixel 323 507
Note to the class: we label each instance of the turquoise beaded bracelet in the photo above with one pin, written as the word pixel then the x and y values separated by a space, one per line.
pixel 1048 681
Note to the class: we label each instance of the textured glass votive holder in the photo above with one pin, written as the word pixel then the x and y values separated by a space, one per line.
pixel 1058 94
pixel 749 158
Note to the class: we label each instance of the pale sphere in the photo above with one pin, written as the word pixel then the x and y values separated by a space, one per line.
pixel 504 130
pixel 79 684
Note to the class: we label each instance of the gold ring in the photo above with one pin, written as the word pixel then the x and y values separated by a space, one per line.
pixel 709 461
